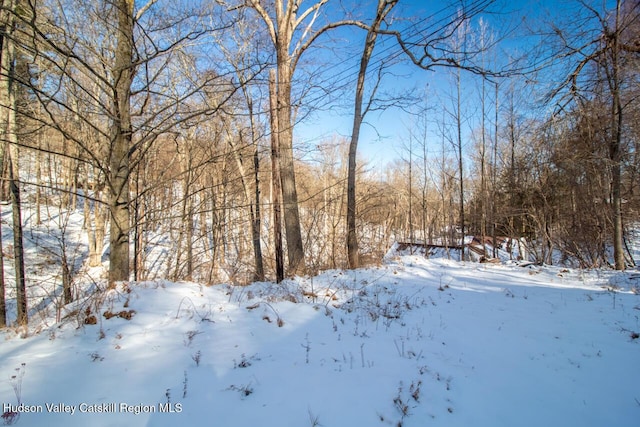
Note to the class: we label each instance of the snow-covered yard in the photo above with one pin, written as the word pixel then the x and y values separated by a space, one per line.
pixel 413 342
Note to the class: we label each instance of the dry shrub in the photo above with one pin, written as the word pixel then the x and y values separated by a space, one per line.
pixel 124 314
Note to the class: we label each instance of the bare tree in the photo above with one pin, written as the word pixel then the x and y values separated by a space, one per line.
pixel 128 79
pixel 245 54
pixel 292 32
pixel 359 112
pixel 600 46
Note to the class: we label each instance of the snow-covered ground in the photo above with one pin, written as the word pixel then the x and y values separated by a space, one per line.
pixel 413 342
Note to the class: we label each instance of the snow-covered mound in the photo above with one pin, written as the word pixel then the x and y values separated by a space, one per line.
pixel 415 342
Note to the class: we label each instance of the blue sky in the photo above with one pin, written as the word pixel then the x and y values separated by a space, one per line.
pixel 385 133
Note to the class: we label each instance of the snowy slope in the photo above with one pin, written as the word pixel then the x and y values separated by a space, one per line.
pixel 414 342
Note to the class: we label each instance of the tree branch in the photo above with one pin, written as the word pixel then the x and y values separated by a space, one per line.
pixel 144 8
pixel 255 4
pixel 322 30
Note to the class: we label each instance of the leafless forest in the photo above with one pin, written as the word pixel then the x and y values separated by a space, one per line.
pixel 171 126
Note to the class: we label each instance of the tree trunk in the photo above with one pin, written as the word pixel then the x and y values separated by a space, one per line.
pixel 353 252
pixel 4 89
pixel 100 218
pixel 253 201
pixel 275 179
pixel 3 304
pixel 494 179
pixel 16 207
pixel 615 149
pixel 187 220
pixel 295 249
pixel 66 279
pixel 410 196
pixel 353 255
pixel 616 185
pixel 120 145
pixel 8 96
pixel 460 161
pixel 256 220
pixel 89 227
pixel 39 183
pixel 484 199
pixel 138 232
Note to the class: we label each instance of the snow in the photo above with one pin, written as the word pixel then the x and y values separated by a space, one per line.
pixel 412 342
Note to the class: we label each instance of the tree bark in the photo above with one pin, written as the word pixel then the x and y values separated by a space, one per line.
pixel 4 89
pixel 8 96
pixel 275 179
pixel 460 160
pixel 615 148
pixel 3 304
pixel 16 207
pixel 295 249
pixel 256 221
pixel 120 146
pixel 253 200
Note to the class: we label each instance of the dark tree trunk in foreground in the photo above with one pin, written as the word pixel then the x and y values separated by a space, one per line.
pixel 120 145
pixel 8 104
pixel 275 180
